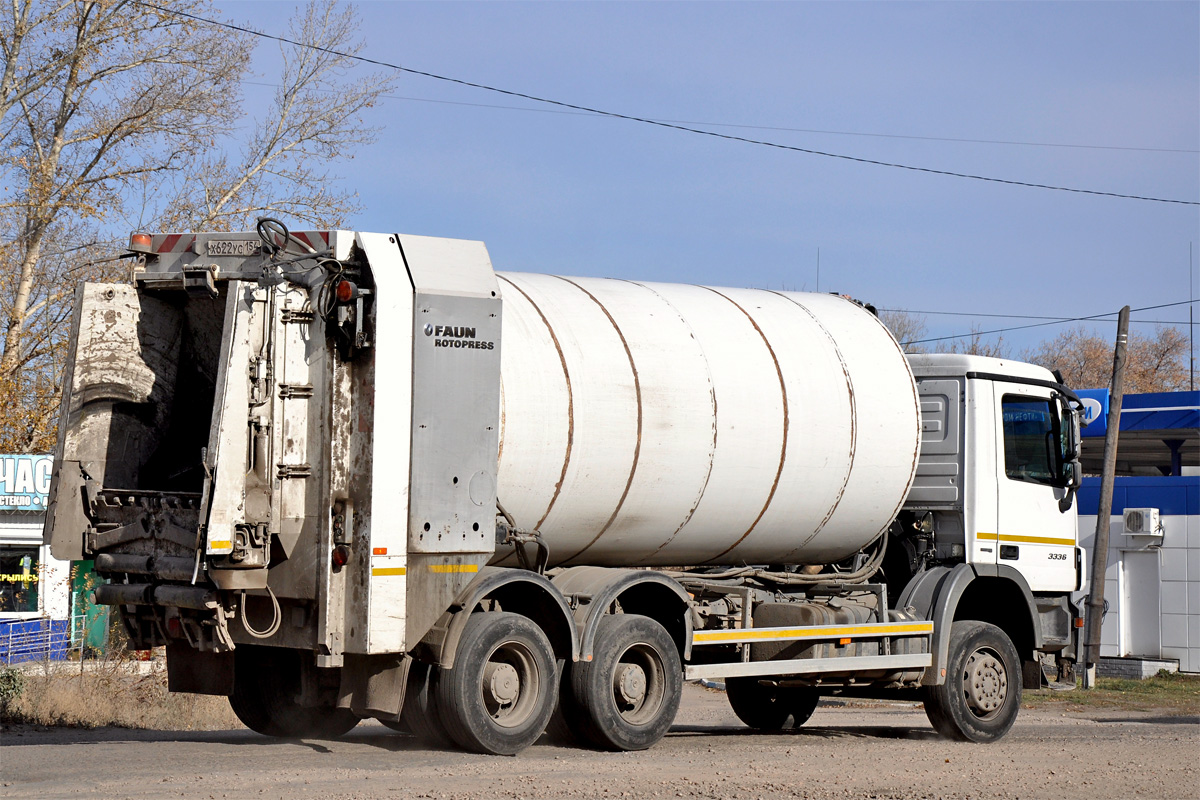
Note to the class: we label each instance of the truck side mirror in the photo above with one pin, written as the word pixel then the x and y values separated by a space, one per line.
pixel 1071 475
pixel 1072 471
pixel 1071 425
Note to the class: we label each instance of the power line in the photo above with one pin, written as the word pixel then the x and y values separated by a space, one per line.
pixel 967 314
pixel 1044 324
pixel 1013 142
pixel 922 313
pixel 660 123
pixel 1160 322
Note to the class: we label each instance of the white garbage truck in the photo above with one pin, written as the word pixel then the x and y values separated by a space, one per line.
pixel 342 475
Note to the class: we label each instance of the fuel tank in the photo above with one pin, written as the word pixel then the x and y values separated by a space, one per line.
pixel 647 424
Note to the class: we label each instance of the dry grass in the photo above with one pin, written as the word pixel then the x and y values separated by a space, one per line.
pixel 113 692
pixel 1167 693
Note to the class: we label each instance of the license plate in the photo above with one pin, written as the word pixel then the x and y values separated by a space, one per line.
pixel 233 247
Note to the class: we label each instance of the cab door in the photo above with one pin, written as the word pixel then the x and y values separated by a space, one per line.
pixel 1033 534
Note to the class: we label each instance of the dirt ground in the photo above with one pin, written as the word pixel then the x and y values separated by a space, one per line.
pixel 887 752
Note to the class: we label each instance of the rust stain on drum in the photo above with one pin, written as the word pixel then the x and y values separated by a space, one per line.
pixel 853 423
pixel 637 448
pixel 562 476
pixel 786 423
pixel 503 419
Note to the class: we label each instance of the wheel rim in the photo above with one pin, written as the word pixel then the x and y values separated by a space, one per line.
pixel 985 683
pixel 510 684
pixel 639 684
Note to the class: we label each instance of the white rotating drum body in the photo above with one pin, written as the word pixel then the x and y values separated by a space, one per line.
pixel 648 424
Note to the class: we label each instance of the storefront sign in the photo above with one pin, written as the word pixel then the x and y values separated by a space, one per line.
pixel 1095 411
pixel 24 482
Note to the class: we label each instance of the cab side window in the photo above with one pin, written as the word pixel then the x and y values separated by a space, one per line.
pixel 1032 440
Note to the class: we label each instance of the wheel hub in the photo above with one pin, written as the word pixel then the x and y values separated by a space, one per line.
pixel 629 683
pixel 503 682
pixel 985 683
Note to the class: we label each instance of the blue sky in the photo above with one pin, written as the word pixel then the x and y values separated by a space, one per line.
pixel 579 195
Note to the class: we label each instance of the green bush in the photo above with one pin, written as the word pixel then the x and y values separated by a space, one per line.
pixel 12 683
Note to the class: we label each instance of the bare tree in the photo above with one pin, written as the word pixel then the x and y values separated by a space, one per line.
pixel 95 97
pixel 29 394
pixel 1154 363
pixel 975 345
pixel 316 118
pixel 1158 363
pixel 906 327
pixel 910 328
pixel 111 110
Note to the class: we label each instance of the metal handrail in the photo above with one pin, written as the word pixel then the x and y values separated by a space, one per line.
pixel 40 638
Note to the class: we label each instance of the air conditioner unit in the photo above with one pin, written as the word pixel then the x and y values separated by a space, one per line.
pixel 1143 522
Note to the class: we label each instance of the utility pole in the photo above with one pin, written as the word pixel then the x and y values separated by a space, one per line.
pixel 1095 603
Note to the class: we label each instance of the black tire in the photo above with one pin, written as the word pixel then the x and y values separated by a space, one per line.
pixel 627 696
pixel 982 694
pixel 266 684
pixel 560 730
pixel 329 723
pixel 501 691
pixel 804 703
pixel 421 714
pixel 769 708
pixel 398 725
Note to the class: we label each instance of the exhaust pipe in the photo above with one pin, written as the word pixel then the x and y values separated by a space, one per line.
pixel 145 594
pixel 165 568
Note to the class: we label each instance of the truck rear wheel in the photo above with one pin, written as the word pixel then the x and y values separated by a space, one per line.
pixel 564 722
pixel 501 691
pixel 266 686
pixel 627 696
pixel 982 693
pixel 768 708
pixel 398 725
pixel 421 713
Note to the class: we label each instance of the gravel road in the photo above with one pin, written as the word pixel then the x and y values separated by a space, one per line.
pixel 843 752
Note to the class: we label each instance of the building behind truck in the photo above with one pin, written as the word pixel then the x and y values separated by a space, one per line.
pixel 1152 572
pixel 44 607
pixel 343 475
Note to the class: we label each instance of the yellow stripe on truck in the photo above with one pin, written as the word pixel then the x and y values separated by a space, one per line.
pixel 998 537
pixel 816 632
pixel 220 545
pixel 439 568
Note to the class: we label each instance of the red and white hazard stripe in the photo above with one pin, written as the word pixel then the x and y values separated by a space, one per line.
pixel 186 242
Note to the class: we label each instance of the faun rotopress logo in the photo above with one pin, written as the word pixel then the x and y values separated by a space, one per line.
pixel 455 336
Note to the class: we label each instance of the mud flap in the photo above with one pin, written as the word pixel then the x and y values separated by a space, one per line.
pixel 1031 675
pixel 198 672
pixel 373 686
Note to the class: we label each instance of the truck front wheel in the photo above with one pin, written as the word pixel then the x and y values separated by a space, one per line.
pixel 626 697
pixel 982 693
pixel 500 693
pixel 767 708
